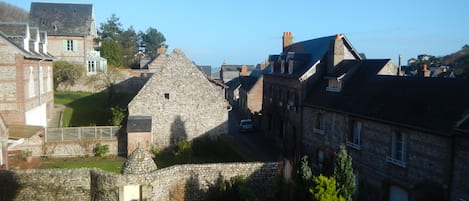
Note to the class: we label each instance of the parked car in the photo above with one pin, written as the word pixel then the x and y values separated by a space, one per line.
pixel 246 125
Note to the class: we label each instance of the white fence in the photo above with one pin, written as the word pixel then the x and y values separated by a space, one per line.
pixel 81 133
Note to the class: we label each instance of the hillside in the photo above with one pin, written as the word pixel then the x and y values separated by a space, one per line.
pixel 460 61
pixel 10 13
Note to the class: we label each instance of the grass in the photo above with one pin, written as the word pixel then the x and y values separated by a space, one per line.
pixel 88 109
pixel 202 150
pixel 110 164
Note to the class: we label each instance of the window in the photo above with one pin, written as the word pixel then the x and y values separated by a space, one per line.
pixel 334 85
pixel 320 159
pixel 398 149
pixel 70 45
pixel 354 137
pixel 290 66
pixel 31 86
pixel 91 67
pixel 319 125
pixel 166 96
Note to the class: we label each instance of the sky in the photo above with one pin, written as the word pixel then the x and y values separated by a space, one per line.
pixel 241 32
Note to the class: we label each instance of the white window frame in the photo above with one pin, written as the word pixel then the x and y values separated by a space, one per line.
pixel 398 149
pixel 70 45
pixel 354 139
pixel 91 67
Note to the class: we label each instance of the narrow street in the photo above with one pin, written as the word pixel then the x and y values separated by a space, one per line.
pixel 259 146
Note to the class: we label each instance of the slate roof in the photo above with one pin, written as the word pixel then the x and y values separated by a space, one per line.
pixel 226 67
pixel 15 33
pixel 63 19
pixel 305 54
pixel 430 104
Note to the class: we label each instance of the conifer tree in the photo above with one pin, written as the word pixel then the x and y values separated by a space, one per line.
pixel 343 174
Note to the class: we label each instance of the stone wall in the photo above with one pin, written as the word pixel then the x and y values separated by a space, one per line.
pixel 427 160
pixel 51 184
pixel 182 102
pixel 193 181
pixel 77 148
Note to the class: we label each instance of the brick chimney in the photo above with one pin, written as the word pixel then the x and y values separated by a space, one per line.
pixel 287 39
pixel 337 53
pixel 425 71
pixel 161 50
pixel 244 71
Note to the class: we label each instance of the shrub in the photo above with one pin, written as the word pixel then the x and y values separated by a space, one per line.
pixel 324 189
pixel 183 147
pixel 66 73
pixel 101 150
pixel 118 114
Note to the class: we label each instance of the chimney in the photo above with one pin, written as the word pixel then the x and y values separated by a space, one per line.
pixel 161 50
pixel 425 71
pixel 287 39
pixel 336 53
pixel 244 71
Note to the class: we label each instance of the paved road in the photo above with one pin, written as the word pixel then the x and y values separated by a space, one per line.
pixel 260 147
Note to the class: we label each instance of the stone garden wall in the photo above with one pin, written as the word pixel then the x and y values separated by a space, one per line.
pixel 192 182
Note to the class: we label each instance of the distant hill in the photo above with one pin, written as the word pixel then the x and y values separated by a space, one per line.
pixel 460 61
pixel 11 13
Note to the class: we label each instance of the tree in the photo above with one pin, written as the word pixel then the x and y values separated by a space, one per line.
pixel 112 51
pixel 111 29
pixel 325 189
pixel 152 39
pixel 343 174
pixel 66 74
pixel 128 40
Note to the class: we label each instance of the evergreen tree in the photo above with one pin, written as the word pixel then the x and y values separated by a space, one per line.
pixel 152 39
pixel 128 40
pixel 112 51
pixel 343 174
pixel 111 29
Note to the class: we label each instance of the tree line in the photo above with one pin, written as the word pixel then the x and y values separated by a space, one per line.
pixel 120 46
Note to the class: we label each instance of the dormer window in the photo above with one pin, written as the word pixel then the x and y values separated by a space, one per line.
pixel 290 66
pixel 282 66
pixel 335 85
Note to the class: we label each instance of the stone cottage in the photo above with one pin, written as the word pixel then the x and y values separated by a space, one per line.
pixel 180 102
pixel 71 32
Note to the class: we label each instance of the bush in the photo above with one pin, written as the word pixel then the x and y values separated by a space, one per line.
pixel 234 189
pixel 66 73
pixel 325 189
pixel 183 147
pixel 118 114
pixel 101 150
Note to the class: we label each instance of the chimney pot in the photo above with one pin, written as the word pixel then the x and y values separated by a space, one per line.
pixel 287 39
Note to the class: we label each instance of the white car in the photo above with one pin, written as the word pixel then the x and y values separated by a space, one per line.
pixel 246 125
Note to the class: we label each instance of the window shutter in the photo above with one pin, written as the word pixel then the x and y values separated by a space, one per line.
pixel 75 46
pixel 65 45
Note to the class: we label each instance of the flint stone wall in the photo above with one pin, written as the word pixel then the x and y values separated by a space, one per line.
pixel 95 184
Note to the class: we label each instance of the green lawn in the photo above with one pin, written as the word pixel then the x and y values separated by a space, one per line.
pixel 88 109
pixel 110 164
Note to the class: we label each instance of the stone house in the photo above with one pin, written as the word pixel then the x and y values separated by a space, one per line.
pixel 250 97
pixel 286 81
pixel 3 145
pixel 180 102
pixel 25 75
pixel 407 135
pixel 160 60
pixel 229 72
pixel 71 32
